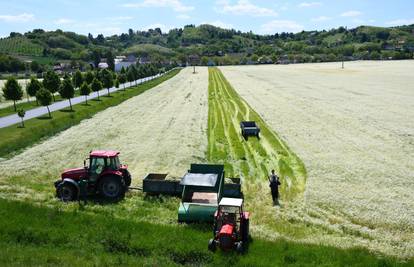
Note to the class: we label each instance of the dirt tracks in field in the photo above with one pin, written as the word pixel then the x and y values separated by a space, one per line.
pixel 253 158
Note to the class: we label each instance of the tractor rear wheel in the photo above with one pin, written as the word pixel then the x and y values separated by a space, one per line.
pixel 67 192
pixel 212 245
pixel 111 188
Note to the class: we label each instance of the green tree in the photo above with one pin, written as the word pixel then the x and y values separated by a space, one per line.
pixel 204 61
pixel 107 80
pixel 67 91
pixel 375 55
pixel 96 86
pixel 21 114
pixel 77 79
pixel 51 82
pixel 35 66
pixel 45 99
pixel 116 83
pixel 85 90
pixel 131 73
pixel 110 60
pixel 12 91
pixel 122 79
pixel 255 58
pixel 89 77
pixel 33 86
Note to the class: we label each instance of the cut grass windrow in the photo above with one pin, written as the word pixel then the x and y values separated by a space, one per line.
pixel 13 139
pixel 251 159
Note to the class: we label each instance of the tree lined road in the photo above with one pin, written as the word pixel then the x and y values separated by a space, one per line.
pixel 37 112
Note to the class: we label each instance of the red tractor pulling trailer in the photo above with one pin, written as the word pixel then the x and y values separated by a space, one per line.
pixel 104 176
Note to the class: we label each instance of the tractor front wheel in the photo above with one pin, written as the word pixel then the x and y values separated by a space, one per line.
pixel 240 247
pixel 111 188
pixel 212 245
pixel 127 178
pixel 67 192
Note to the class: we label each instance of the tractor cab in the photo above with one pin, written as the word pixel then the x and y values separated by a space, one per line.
pixel 104 175
pixel 101 162
pixel 231 226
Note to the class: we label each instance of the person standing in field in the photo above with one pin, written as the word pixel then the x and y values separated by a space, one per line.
pixel 274 187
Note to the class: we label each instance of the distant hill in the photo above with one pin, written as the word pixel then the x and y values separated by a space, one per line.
pixel 211 44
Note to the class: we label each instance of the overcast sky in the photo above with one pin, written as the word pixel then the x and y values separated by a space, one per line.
pixel 264 17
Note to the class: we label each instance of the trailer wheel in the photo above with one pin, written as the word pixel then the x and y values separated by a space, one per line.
pixel 240 247
pixel 111 188
pixel 212 245
pixel 67 192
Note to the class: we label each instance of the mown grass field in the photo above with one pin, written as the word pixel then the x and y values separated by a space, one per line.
pixel 354 131
pixel 252 159
pixel 37 229
pixel 13 138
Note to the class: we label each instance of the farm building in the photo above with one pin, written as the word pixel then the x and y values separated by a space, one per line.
pixel 124 62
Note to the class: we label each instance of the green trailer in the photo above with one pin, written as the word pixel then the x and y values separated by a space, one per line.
pixel 203 187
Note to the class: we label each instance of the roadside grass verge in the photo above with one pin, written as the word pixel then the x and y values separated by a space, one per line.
pixel 252 159
pixel 76 238
pixel 13 139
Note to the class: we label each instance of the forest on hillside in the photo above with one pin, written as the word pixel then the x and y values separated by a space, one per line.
pixel 206 45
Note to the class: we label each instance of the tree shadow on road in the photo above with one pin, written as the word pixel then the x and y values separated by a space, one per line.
pixel 44 118
pixel 67 110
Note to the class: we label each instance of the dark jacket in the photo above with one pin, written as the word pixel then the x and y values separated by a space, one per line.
pixel 274 182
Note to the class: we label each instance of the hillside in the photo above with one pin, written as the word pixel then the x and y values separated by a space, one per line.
pixel 211 44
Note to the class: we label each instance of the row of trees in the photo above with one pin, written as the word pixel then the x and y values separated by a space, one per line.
pixel 45 90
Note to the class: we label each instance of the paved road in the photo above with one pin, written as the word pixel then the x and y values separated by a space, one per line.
pixel 37 112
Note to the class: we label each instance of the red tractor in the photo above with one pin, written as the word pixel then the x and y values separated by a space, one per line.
pixel 231 226
pixel 104 176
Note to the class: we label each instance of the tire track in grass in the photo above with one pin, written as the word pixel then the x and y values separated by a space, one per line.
pixel 252 159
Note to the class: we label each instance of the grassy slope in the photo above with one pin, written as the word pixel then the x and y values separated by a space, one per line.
pixel 75 238
pixel 13 139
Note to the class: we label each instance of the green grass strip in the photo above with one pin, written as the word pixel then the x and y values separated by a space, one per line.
pixel 252 159
pixel 13 138
pixel 41 236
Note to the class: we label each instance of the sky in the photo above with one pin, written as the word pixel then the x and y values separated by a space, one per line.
pixel 263 17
